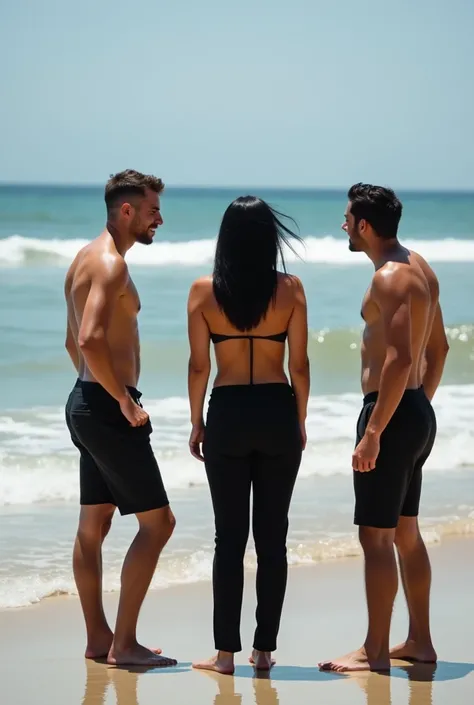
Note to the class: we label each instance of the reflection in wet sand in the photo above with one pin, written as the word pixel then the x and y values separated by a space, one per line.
pixel 99 676
pixel 265 692
pixel 226 694
pixel 377 687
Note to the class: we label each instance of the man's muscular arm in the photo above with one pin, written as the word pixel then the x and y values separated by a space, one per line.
pixel 392 295
pixel 436 353
pixel 391 291
pixel 71 347
pixel 108 281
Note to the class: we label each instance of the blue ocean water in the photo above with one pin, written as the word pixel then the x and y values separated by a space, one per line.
pixel 41 229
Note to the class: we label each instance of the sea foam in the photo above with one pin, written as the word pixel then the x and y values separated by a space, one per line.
pixel 38 462
pixel 17 251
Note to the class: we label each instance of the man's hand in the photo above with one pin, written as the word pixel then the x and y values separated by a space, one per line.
pixel 135 414
pixel 195 441
pixel 366 453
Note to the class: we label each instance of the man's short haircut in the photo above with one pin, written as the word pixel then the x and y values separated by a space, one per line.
pixel 379 206
pixel 129 184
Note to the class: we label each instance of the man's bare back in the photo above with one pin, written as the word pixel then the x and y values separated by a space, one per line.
pixel 93 264
pixel 408 271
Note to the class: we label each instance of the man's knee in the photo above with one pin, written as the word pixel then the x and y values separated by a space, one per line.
pixel 158 523
pixel 95 522
pixel 407 535
pixel 167 524
pixel 106 526
pixel 170 523
pixel 374 540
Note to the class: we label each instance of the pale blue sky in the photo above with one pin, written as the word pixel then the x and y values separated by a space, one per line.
pixel 254 92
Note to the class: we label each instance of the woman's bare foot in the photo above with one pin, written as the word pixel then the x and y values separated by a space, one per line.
pixel 262 660
pixel 411 650
pixel 137 655
pixel 355 661
pixel 222 662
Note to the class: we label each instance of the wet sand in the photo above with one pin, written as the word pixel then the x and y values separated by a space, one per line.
pixel 41 647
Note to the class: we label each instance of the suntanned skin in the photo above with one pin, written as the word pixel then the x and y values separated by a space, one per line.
pixel 232 358
pixel 98 279
pixel 404 346
pixel 103 343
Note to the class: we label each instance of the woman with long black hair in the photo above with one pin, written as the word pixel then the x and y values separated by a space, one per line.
pixel 254 433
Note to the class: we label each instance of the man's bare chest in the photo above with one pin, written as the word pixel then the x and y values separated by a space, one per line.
pixel 130 300
pixel 369 311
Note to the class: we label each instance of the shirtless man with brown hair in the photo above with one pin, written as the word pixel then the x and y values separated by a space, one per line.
pixel 107 422
pixel 403 354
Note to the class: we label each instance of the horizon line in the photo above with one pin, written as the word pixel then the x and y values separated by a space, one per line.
pixel 233 187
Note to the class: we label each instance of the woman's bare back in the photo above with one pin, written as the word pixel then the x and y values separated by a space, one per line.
pixel 256 356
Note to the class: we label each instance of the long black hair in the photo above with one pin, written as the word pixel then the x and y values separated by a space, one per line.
pixel 250 240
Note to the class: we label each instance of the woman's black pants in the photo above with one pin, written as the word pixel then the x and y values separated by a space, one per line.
pixel 252 441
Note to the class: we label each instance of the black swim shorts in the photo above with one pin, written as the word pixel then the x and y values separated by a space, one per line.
pixel 117 463
pixel 393 488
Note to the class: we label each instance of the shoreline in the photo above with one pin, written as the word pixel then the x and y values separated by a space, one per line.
pixel 322 553
pixel 324 616
pixel 458 541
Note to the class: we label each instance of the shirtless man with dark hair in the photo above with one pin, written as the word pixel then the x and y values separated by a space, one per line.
pixel 107 422
pixel 403 352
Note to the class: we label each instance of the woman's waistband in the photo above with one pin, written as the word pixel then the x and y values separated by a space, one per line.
pixel 268 389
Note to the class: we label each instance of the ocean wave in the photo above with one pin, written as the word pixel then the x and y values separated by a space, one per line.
pixel 21 590
pixel 39 464
pixel 333 352
pixel 18 251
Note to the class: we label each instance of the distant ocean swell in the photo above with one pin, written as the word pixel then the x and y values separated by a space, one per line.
pixel 336 350
pixel 19 251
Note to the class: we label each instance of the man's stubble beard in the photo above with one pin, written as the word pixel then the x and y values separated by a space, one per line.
pixel 144 239
pixel 352 246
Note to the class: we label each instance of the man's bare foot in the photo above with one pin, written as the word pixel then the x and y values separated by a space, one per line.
pixel 355 661
pixel 138 655
pixel 410 650
pixel 100 645
pixel 220 663
pixel 262 660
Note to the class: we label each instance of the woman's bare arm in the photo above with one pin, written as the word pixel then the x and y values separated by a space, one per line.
pixel 199 360
pixel 298 362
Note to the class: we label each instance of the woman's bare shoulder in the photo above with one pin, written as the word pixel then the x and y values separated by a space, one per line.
pixel 200 291
pixel 202 285
pixel 290 283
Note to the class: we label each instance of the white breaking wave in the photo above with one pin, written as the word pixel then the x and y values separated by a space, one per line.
pixel 29 584
pixel 38 462
pixel 17 251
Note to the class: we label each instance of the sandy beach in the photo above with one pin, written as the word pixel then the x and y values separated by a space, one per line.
pixel 41 647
